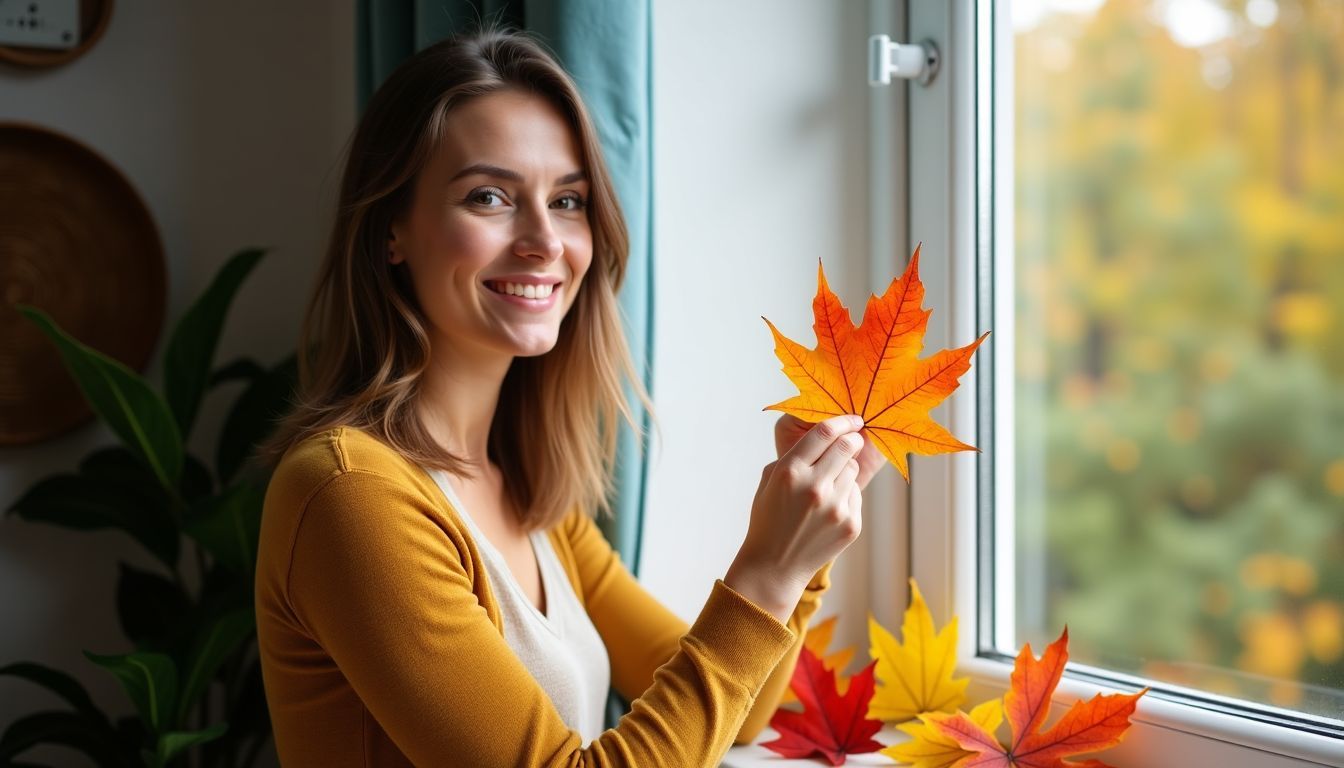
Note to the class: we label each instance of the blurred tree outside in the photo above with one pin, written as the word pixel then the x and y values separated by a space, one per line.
pixel 1179 225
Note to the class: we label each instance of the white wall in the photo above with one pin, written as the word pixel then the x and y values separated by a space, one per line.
pixel 760 136
pixel 229 119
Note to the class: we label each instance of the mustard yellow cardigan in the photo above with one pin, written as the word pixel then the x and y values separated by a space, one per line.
pixel 382 645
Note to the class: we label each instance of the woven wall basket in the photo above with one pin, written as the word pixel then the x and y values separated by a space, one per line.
pixel 77 242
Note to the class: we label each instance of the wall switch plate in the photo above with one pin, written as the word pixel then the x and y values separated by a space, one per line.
pixel 39 23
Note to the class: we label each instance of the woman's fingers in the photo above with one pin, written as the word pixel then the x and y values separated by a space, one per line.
pixel 788 428
pixel 844 481
pixel 818 439
pixel 870 461
pixel 856 506
pixel 845 487
pixel 766 472
pixel 835 459
pixel 806 511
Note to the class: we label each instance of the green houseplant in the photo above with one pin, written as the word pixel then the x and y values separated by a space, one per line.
pixel 193 674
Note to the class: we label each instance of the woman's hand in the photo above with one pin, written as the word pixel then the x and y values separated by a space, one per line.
pixel 807 509
pixel 789 428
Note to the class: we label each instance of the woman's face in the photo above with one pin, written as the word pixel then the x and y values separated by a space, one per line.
pixel 499 210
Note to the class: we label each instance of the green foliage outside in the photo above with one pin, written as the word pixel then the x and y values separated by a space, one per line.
pixel 1180 250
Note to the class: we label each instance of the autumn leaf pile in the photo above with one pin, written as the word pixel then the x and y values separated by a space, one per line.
pixel 912 683
pixel 912 678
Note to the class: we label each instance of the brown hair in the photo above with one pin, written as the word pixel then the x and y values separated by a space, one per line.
pixel 364 346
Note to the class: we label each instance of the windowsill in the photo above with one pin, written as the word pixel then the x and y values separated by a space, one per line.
pixel 755 756
pixel 1160 729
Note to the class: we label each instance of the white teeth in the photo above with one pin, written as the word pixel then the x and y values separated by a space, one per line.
pixel 526 291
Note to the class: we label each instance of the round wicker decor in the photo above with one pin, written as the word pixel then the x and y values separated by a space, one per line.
pixel 77 242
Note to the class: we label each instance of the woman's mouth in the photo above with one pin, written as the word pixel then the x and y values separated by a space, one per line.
pixel 526 290
pixel 535 297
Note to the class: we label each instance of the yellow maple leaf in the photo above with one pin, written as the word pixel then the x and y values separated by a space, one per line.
pixel 927 748
pixel 817 640
pixel 915 677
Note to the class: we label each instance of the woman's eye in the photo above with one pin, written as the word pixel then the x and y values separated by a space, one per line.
pixel 486 197
pixel 569 203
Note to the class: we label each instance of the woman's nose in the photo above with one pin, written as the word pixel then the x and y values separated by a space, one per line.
pixel 537 237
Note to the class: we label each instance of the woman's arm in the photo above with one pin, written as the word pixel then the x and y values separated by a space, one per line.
pixel 806 510
pixel 378 582
pixel 641 634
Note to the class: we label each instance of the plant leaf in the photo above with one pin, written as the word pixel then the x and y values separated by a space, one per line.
pixel 216 642
pixel 1088 726
pixel 92 737
pixel 91 501
pixel 131 730
pixel 244 368
pixel 151 609
pixel 228 526
pixel 818 639
pixel 195 483
pixel 830 724
pixel 191 348
pixel 928 748
pixel 123 467
pixel 150 681
pixel 170 744
pixel 247 714
pixel 915 676
pixel 253 416
pixel 873 370
pixel 121 398
pixel 58 682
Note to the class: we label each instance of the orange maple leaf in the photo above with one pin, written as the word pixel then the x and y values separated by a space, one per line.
pixel 1088 726
pixel 817 640
pixel 873 371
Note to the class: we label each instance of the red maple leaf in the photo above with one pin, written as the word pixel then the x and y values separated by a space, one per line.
pixel 1088 726
pixel 830 724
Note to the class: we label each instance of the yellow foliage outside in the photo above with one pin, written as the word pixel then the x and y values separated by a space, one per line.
pixel 1178 204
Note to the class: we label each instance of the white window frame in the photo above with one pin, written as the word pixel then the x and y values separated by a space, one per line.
pixel 951 210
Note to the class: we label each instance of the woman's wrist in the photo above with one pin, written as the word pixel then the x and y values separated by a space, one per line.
pixel 775 594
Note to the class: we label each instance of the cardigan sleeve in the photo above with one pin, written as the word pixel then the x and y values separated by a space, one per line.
pixel 641 634
pixel 377 581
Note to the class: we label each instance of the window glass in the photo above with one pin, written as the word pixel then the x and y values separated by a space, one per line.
pixel 1179 259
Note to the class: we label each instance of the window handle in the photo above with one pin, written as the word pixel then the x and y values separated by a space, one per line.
pixel 911 61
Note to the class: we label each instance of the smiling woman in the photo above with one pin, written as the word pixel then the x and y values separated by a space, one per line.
pixel 431 587
pixel 518 221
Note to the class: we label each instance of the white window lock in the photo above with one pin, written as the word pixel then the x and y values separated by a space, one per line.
pixel 911 61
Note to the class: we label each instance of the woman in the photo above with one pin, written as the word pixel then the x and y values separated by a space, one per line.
pixel 431 589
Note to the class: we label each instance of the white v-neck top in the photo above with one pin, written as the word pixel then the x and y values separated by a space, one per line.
pixel 562 648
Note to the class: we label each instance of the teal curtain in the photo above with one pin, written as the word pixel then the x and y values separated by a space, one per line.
pixel 605 46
